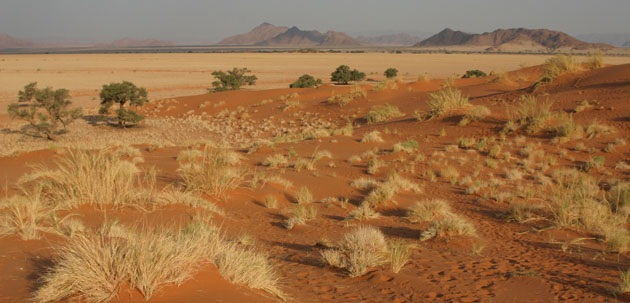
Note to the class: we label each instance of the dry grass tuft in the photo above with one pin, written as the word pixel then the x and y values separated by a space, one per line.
pixel 382 113
pixel 213 173
pixel 400 253
pixel 445 101
pixel 94 178
pixel 428 210
pixel 94 266
pixel 361 249
pixel 530 114
pixel 373 136
pixel 448 226
pixel 476 113
pixel 27 215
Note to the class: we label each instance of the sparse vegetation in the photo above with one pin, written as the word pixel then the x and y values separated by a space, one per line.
pixel 306 81
pixel 390 73
pixel 475 73
pixel 343 75
pixel 213 173
pixel 382 113
pixel 123 93
pixel 45 110
pixel 232 79
pixel 445 101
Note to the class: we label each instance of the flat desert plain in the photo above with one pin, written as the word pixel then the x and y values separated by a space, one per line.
pixel 173 75
pixel 502 188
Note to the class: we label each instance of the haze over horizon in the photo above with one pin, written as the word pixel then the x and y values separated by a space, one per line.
pixel 197 21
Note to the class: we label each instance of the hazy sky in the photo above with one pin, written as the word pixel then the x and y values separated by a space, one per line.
pixel 194 21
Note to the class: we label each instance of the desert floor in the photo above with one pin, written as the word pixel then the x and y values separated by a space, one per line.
pixel 509 186
pixel 173 75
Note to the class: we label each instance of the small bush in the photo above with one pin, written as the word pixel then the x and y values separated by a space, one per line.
pixel 232 79
pixel 474 74
pixel 382 113
pixel 343 75
pixel 301 215
pixel 46 110
pixel 390 73
pixel 531 115
pixel 123 93
pixel 363 248
pixel 306 81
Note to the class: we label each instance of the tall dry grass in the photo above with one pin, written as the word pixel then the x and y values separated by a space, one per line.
pixel 213 172
pixel 96 178
pixel 94 266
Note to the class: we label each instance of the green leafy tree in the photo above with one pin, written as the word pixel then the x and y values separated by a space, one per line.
pixel 391 73
pixel 232 79
pixel 474 74
pixel 123 93
pixel 44 109
pixel 306 81
pixel 343 75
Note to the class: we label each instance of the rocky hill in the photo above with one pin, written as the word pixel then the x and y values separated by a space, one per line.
pixel 257 35
pixel 8 41
pixel 511 39
pixel 270 35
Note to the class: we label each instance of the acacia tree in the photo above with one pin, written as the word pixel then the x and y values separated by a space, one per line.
pixel 232 79
pixel 343 75
pixel 123 93
pixel 306 81
pixel 44 110
pixel 391 73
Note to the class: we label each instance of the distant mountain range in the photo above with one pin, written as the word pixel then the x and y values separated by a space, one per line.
pixel 270 35
pixel 129 42
pixel 616 39
pixel 266 34
pixel 515 39
pixel 7 41
pixel 404 39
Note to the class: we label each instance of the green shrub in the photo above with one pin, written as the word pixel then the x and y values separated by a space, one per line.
pixel 45 110
pixel 232 79
pixel 343 75
pixel 474 74
pixel 306 81
pixel 123 93
pixel 391 73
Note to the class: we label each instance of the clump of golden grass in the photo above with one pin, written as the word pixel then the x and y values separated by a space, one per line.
pixel 408 146
pixel 27 214
pixel 387 84
pixel 596 129
pixel 386 190
pixel 275 161
pixel 476 113
pixel 382 113
pixel 373 136
pixel 450 173
pixel 171 195
pixel 303 195
pixel 448 226
pixel 428 210
pixel 95 178
pixel 558 65
pixel 577 202
pixel 400 253
pixel 361 249
pixel 374 164
pixel 445 101
pixel 595 60
pixel 94 266
pixel 356 92
pixel 530 114
pixel 520 212
pixel 301 215
pixel 363 212
pixel 624 284
pixel 214 173
pixel 271 202
pixel 567 128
